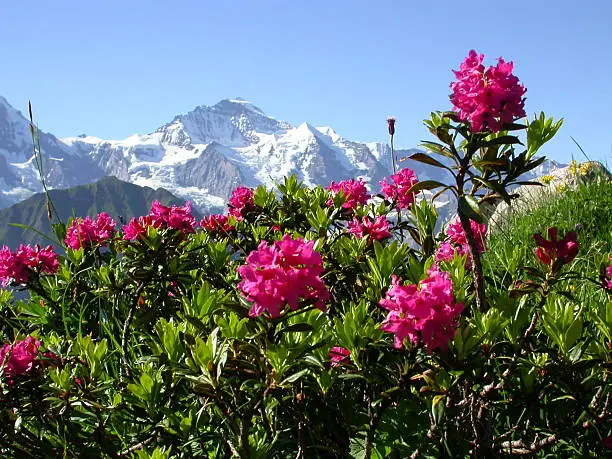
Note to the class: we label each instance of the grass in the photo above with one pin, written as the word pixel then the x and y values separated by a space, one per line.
pixel 585 208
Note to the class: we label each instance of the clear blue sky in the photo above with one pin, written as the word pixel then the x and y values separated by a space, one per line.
pixel 113 68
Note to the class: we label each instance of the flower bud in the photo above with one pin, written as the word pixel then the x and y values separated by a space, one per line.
pixel 391 123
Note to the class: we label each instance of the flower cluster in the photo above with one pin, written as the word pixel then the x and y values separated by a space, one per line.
pixel 84 232
pixel 487 99
pixel 456 241
pixel 576 168
pixel 398 189
pixel 546 179
pixel 283 274
pixel 339 356
pixel 160 216
pixel 551 250
pixel 174 217
pixel 377 229
pixel 19 358
pixel 241 201
pixel 16 267
pixel 425 313
pixel 353 191
pixel 216 223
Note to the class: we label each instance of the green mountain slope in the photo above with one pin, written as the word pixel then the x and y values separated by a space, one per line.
pixel 119 199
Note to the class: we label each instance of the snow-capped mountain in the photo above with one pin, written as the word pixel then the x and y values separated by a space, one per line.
pixel 19 177
pixel 201 156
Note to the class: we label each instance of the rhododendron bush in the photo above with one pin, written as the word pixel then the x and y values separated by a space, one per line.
pixel 317 322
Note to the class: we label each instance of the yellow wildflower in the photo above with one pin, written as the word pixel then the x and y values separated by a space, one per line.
pixel 546 179
pixel 585 168
pixel 574 167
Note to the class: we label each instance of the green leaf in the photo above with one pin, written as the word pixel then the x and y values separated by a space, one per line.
pixel 540 131
pixel 26 227
pixel 294 377
pixel 501 140
pixel 426 185
pixel 469 207
pixel 491 163
pixel 436 148
pixel 426 159
pixel 494 186
pixel 303 327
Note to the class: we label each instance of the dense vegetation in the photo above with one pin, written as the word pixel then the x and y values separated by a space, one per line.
pixel 326 322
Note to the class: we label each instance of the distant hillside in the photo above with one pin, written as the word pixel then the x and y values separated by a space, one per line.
pixel 119 199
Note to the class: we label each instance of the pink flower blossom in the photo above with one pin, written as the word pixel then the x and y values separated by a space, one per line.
pixel 354 192
pixel 137 227
pixel 487 99
pixel 241 201
pixel 162 217
pixel 447 251
pixel 425 313
pixel 339 356
pixel 377 229
pixel 85 232
pixel 608 280
pixel 283 274
pixel 456 241
pixel 551 250
pixel 216 223
pixel 16 267
pixel 607 442
pixel 175 217
pixel 398 189
pixel 456 235
pixel 19 358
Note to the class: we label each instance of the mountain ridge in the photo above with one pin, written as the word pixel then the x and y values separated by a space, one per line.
pixel 199 156
pixel 121 200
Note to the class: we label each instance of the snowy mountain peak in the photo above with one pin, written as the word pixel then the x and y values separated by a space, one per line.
pixel 239 104
pixel 230 122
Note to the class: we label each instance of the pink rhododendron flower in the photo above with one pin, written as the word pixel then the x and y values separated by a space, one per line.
pixel 551 250
pixel 137 227
pixel 84 232
pixel 339 356
pixel 16 267
pixel 425 313
pixel 162 217
pixel 377 229
pixel 608 279
pixel 216 223
pixel 241 201
pixel 398 189
pixel 487 99
pixel 12 269
pixel 18 359
pixel 283 274
pixel 447 251
pixel 455 234
pixel 175 217
pixel 354 191
pixel 456 241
